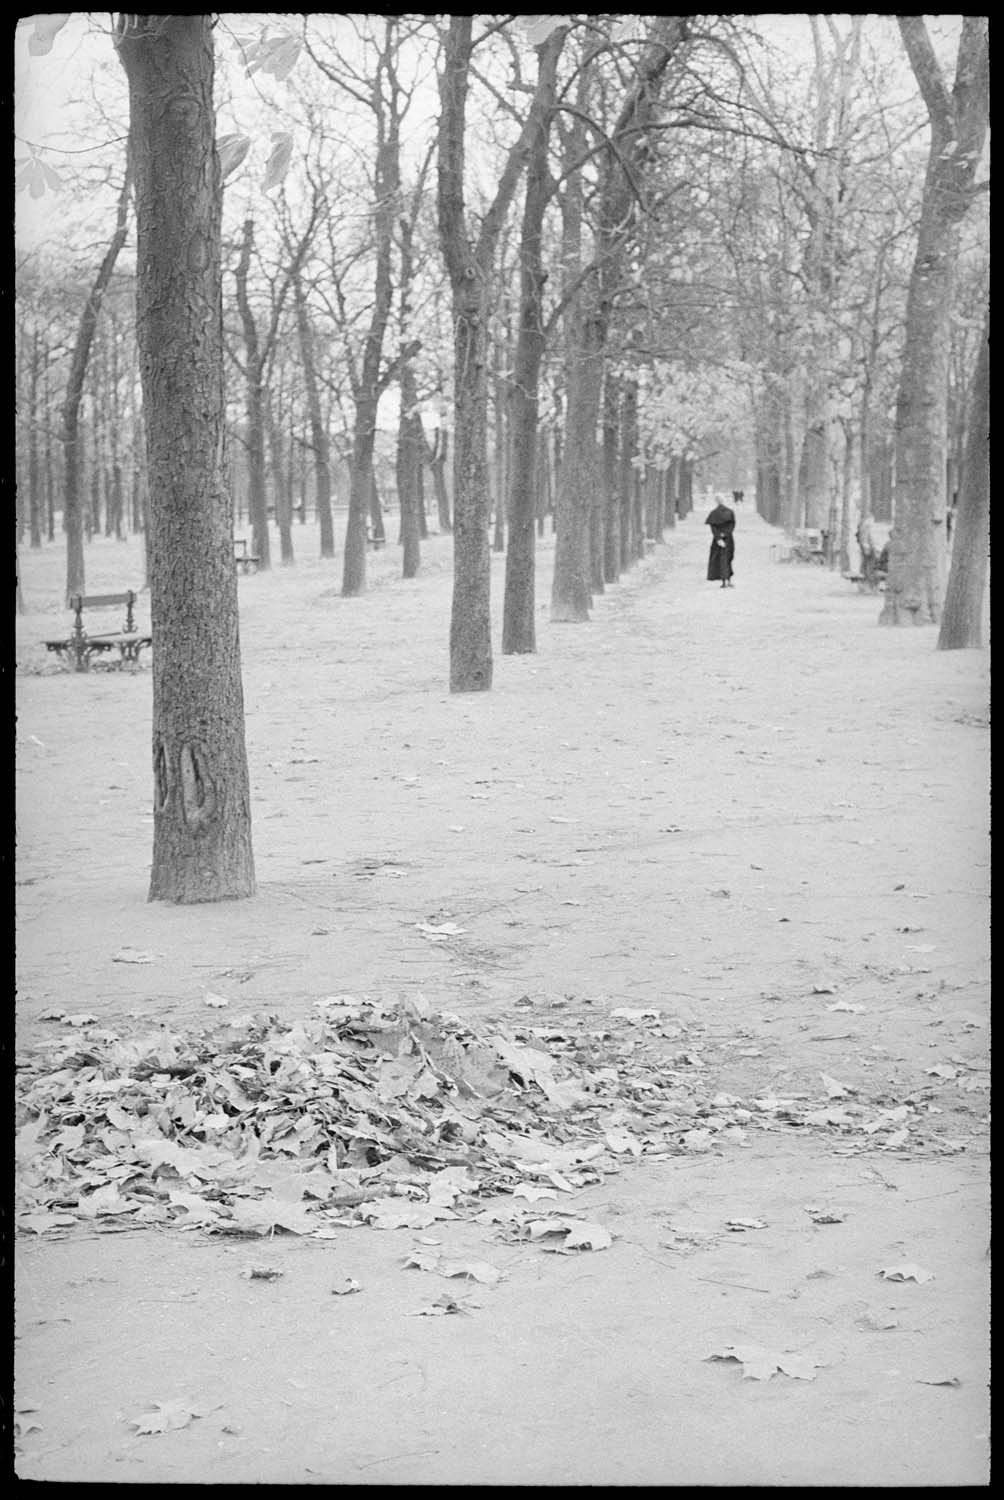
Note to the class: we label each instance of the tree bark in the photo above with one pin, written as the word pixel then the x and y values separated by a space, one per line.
pixel 34 467
pixel 409 467
pixel 958 120
pixel 611 517
pixel 254 408
pixel 571 591
pixel 436 456
pixel 962 618
pixel 518 627
pixel 73 501
pixel 202 816
pixel 320 442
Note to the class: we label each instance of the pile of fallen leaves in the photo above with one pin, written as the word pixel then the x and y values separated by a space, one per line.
pixel 373 1112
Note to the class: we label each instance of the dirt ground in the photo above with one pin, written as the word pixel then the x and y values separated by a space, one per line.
pixel 742 808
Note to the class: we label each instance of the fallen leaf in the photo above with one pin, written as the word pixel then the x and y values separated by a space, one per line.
pixel 263 1215
pixel 761 1364
pixel 952 1380
pixel 826 1215
pixel 835 1089
pixel 346 1288
pixel 583 1236
pixel 441 1307
pixel 620 1141
pixel 166 1416
pixel 472 1270
pixel 877 1320
pixel 845 1005
pixel 216 1001
pixel 261 1273
pixel 533 1194
pixel 422 1260
pixel 391 1213
pixel 43 1223
pixel 134 956
pixel 828 1117
pixel 741 1224
pixel 908 1272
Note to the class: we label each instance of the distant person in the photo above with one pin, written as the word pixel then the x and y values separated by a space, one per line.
pixel 737 497
pixel 722 521
pixel 950 516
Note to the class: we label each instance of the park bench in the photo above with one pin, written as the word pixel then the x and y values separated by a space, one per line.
pixel 245 560
pixel 80 645
pixel 867 583
pixel 809 545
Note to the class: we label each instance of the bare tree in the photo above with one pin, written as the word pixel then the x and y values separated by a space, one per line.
pixel 518 631
pixel 202 814
pixel 958 120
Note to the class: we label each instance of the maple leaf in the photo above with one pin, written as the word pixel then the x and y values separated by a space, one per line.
pixel 166 1416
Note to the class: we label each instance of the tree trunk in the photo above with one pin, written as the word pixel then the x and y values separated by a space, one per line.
pixel 915 584
pixel 814 460
pixel 360 496
pixel 409 467
pixel 518 627
pixel 73 501
pixel 611 513
pixel 437 456
pixel 282 487
pixel 376 510
pixel 962 619
pixel 202 815
pixel 34 468
pixel 320 441
pixel 571 594
pixel 254 408
pixel 470 620
pixel 469 265
pixel 410 452
pixel 501 403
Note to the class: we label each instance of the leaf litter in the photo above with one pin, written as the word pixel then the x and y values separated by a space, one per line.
pixel 376 1111
pixel 759 1363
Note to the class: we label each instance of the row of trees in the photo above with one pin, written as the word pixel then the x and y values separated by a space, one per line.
pixel 658 237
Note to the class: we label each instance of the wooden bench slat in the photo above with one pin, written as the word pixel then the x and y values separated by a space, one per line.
pixel 98 601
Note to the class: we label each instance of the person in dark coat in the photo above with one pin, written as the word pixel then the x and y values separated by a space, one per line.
pixel 722 521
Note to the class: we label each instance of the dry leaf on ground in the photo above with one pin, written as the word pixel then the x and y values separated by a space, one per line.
pixel 761 1364
pixel 167 1416
pixel 907 1272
